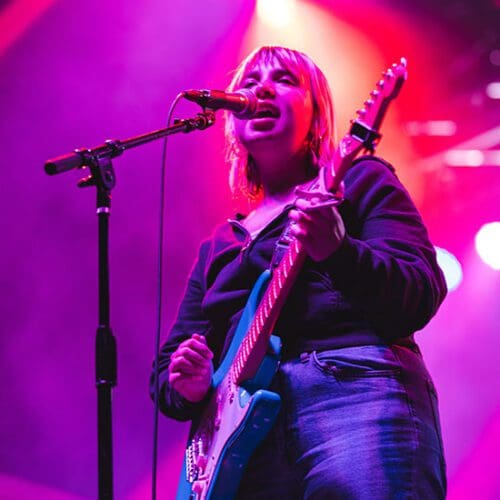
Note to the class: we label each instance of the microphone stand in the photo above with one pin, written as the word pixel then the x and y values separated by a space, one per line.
pixel 102 176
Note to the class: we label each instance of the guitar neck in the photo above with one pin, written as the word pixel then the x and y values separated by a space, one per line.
pixel 254 346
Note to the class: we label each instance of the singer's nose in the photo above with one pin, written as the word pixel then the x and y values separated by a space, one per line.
pixel 265 91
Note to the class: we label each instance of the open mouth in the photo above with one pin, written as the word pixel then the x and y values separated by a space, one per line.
pixel 266 110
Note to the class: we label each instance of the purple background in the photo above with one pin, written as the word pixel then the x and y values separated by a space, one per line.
pixel 75 73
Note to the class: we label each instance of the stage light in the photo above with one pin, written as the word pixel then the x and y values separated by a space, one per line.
pixel 277 13
pixel 451 268
pixel 438 128
pixel 488 244
pixel 493 90
pixel 472 158
pixel 464 158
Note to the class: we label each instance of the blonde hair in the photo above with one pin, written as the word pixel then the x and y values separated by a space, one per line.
pixel 243 176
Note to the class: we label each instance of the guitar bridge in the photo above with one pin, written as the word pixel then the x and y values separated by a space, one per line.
pixel 191 469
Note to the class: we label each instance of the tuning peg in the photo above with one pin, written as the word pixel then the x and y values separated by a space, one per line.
pixel 368 102
pixel 361 112
pixel 380 83
pixel 403 61
pixel 374 93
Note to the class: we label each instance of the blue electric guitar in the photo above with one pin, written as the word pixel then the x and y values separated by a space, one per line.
pixel 241 411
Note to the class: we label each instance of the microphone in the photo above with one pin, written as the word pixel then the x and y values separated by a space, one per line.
pixel 242 103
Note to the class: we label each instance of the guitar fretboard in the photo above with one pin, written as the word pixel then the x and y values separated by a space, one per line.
pixel 254 345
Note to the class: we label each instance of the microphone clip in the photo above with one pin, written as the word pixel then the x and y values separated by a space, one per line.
pixel 202 121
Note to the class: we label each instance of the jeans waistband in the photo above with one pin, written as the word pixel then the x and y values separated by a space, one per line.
pixel 304 346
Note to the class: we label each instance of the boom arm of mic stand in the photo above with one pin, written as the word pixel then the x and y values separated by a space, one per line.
pixel 112 148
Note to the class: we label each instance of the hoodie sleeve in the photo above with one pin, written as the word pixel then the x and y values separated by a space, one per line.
pixel 386 264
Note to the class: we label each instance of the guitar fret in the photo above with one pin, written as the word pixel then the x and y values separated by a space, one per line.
pixel 263 313
pixel 260 320
pixel 283 265
pixel 256 319
pixel 278 277
pixel 287 264
pixel 269 303
pixel 275 289
pixel 253 336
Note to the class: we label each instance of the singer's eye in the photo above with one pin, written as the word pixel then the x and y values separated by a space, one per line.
pixel 287 79
pixel 249 84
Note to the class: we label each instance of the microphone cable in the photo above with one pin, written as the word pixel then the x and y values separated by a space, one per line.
pixel 161 225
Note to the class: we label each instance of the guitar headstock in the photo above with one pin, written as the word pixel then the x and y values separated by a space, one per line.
pixel 364 131
pixel 388 87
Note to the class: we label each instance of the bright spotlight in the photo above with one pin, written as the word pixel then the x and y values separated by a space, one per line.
pixel 277 13
pixel 493 90
pixel 488 244
pixel 451 268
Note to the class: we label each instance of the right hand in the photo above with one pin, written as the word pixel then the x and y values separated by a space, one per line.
pixel 190 369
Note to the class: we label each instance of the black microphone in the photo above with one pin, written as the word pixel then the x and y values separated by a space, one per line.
pixel 242 103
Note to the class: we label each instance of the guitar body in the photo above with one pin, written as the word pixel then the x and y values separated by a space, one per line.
pixel 235 421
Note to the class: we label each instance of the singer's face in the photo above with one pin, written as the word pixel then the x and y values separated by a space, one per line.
pixel 284 114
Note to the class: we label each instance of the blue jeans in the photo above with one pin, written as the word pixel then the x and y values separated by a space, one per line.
pixel 356 423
